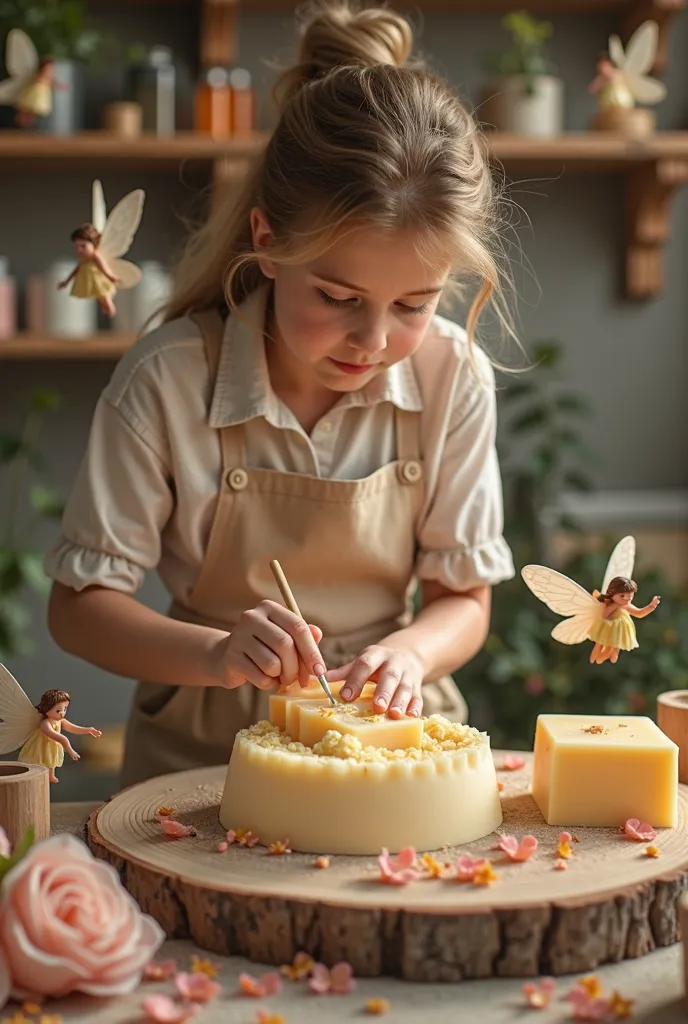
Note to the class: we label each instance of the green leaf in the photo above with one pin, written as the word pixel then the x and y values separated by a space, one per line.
pixel 20 850
pixel 528 420
pixel 31 563
pixel 46 501
pixel 45 400
pixel 573 403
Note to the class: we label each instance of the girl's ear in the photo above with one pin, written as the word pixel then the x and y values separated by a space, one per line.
pixel 262 239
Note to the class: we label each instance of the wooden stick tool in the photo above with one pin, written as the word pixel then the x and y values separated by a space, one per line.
pixel 289 600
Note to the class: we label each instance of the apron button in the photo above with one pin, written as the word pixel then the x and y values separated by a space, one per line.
pixel 237 479
pixel 411 471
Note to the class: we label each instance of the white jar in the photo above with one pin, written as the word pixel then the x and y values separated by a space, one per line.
pixel 65 316
pixel 511 107
pixel 135 305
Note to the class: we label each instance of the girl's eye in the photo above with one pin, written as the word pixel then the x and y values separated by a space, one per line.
pixel 337 303
pixel 415 309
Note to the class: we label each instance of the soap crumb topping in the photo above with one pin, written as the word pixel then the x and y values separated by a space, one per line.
pixel 596 729
pixel 439 736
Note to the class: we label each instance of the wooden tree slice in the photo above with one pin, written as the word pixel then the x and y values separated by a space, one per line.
pixel 612 903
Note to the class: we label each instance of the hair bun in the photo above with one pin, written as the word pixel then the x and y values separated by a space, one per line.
pixel 338 33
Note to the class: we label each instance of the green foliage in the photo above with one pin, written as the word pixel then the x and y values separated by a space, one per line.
pixel 527 55
pixel 522 672
pixel 20 850
pixel 58 28
pixel 21 566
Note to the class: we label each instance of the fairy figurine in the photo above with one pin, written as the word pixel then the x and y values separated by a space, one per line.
pixel 29 89
pixel 99 245
pixel 38 730
pixel 605 616
pixel 622 81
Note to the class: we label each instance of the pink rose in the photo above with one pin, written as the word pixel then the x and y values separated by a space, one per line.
pixel 5 986
pixel 68 925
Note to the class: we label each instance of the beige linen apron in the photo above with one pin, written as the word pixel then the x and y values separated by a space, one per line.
pixel 348 550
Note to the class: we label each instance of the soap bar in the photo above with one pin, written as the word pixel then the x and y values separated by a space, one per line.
pixel 278 701
pixel 358 719
pixel 601 770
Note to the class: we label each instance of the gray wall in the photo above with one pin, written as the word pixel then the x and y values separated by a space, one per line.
pixel 632 360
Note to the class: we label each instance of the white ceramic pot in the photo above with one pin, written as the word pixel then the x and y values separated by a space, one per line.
pixel 510 107
pixel 65 316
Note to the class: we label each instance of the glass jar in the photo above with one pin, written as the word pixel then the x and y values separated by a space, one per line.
pixel 152 84
pixel 214 104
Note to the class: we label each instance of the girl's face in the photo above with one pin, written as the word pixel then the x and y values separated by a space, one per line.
pixel 83 248
pixel 58 711
pixel 344 318
pixel 622 599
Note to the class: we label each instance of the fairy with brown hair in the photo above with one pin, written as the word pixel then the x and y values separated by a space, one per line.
pixel 38 730
pixel 605 616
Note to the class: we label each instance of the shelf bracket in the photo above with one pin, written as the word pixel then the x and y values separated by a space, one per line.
pixel 219 30
pixel 650 188
pixel 661 11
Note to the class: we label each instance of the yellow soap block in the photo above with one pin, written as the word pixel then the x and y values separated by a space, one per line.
pixel 314 691
pixel 359 720
pixel 601 770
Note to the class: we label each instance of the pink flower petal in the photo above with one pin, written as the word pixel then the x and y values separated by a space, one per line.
pixel 5 983
pixel 5 847
pixel 639 830
pixel 587 1007
pixel 164 1010
pixel 231 836
pixel 399 870
pixel 466 867
pixel 161 971
pixel 518 851
pixel 539 994
pixel 342 978
pixel 199 988
pixel 319 981
pixel 512 762
pixel 175 828
pixel 271 983
pixel 222 847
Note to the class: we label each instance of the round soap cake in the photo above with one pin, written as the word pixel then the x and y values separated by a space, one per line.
pixel 344 795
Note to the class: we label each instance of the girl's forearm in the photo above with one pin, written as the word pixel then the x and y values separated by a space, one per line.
pixel 117 633
pixel 448 631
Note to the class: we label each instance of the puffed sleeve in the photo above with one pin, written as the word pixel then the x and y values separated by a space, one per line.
pixel 118 507
pixel 460 540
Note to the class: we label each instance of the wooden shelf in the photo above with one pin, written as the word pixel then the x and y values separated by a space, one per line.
pixel 146 149
pixel 108 345
pixel 585 151
pixel 487 6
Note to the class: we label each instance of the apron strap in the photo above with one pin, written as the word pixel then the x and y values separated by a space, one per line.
pixel 407 429
pixel 232 442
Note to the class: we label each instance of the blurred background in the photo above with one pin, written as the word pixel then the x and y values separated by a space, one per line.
pixel 168 95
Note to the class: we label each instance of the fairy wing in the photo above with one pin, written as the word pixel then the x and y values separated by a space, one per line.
pixel 561 594
pixel 641 49
pixel 18 716
pixel 645 89
pixel 21 60
pixel 621 562
pixel 121 225
pixel 127 272
pixel 98 208
pixel 616 51
pixel 576 629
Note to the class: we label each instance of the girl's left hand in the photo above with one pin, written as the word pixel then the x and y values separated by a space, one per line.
pixel 398 674
pixel 95 732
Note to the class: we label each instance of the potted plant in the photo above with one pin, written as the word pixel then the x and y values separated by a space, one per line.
pixel 59 29
pixel 524 94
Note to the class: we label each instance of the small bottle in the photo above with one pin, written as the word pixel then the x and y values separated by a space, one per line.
pixel 152 84
pixel 243 103
pixel 8 301
pixel 214 104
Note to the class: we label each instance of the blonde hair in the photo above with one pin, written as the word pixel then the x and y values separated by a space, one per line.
pixel 364 137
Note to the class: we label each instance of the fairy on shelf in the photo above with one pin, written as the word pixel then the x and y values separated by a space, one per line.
pixel 29 89
pixel 39 730
pixel 605 616
pixel 100 243
pixel 622 81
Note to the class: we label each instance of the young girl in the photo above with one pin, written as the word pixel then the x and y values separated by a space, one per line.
pixel 615 632
pixel 47 745
pixel 93 278
pixel 303 402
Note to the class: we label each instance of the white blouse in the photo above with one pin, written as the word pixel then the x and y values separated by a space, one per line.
pixel 146 490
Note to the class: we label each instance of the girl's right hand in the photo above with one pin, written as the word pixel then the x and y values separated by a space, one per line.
pixel 73 754
pixel 269 646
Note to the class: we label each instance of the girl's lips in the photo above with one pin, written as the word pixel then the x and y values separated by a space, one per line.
pixel 352 367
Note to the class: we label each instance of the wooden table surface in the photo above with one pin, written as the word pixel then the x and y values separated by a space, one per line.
pixel 655 982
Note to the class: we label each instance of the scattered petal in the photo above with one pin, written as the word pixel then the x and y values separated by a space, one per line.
pixel 485 875
pixel 198 988
pixel 432 868
pixel 518 851
pixel 32 1009
pixel 377 1007
pixel 652 851
pixel 620 1007
pixel 512 763
pixel 258 988
pixel 199 965
pixel 50 1018
pixel 591 985
pixel 245 837
pixel 500 785
pixel 164 1010
pixel 338 981
pixel 322 862
pixel 539 994
pixel 639 830
pixel 279 847
pixel 301 968
pixel 175 829
pixel 264 1017
pixel 466 867
pixel 564 848
pixel 560 865
pixel 222 847
pixel 5 846
pixel 161 971
pixel 165 812
pixel 400 870
pixel 231 836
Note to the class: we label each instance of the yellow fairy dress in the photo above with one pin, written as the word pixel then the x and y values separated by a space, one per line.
pixel 40 749
pixel 35 98
pixel 619 631
pixel 91 283
pixel 615 95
